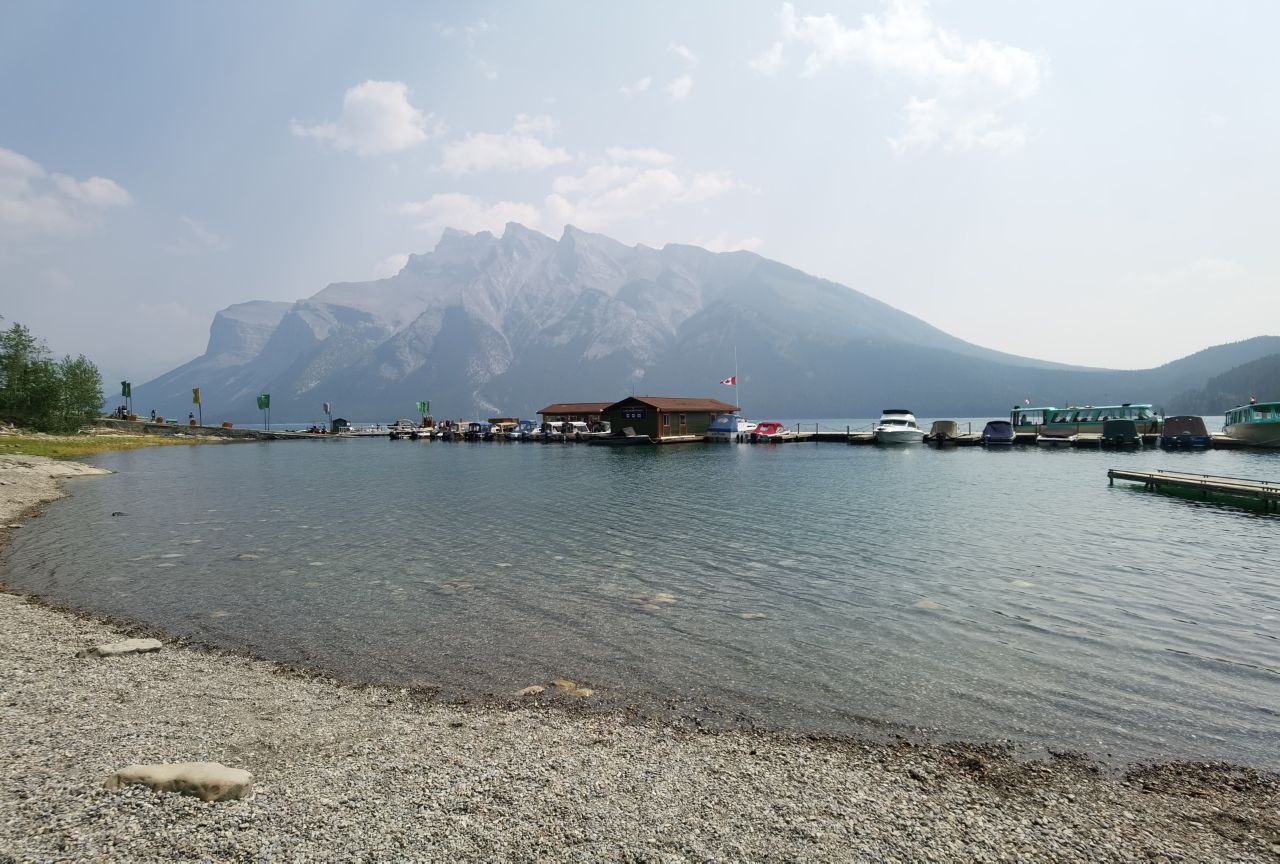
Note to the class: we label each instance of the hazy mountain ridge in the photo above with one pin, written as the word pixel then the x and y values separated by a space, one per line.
pixel 507 324
pixel 1258 378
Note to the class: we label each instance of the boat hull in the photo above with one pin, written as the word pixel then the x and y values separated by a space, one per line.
pixel 899 436
pixel 1255 434
pixel 1185 442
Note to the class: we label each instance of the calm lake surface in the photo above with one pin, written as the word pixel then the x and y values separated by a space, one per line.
pixel 817 587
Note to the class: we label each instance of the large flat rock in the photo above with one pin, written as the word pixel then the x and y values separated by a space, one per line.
pixel 208 781
pixel 118 649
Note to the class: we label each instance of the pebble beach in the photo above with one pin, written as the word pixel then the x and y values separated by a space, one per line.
pixel 356 773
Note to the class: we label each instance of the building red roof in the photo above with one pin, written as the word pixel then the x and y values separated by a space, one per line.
pixel 575 408
pixel 679 403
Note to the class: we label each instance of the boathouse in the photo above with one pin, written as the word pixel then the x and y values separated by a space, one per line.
pixel 560 412
pixel 662 417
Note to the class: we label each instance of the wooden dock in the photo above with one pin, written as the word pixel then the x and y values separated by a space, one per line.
pixel 142 427
pixel 1206 484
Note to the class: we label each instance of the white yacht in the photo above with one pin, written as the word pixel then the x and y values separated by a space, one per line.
pixel 898 426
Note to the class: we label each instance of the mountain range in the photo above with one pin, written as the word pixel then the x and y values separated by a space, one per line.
pixel 486 325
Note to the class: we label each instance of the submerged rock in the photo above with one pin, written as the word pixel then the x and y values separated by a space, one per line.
pixel 571 688
pixel 246 556
pixel 119 649
pixel 208 781
pixel 752 616
pixel 927 604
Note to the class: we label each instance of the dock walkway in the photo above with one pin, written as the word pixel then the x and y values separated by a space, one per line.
pixel 142 427
pixel 1261 490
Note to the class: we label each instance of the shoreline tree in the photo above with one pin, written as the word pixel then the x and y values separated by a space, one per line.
pixel 36 390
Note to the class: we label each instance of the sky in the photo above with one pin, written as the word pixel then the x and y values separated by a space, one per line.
pixel 1086 182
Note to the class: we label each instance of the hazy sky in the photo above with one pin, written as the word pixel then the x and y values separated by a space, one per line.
pixel 1088 182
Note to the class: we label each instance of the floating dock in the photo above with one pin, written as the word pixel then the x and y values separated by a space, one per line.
pixel 1206 484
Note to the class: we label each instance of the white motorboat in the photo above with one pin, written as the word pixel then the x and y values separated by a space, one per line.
pixel 1057 438
pixel 898 426
pixel 729 427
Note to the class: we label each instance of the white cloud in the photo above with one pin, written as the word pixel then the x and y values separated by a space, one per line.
pixel 468 35
pixel 973 81
pixel 638 87
pixel 611 193
pixel 679 88
pixel 391 265
pixel 521 149
pixel 724 243
pixel 377 117
pixel 648 155
pixel 632 183
pixel 538 125
pixel 197 236
pixel 466 32
pixel 682 51
pixel 770 61
pixel 930 123
pixel 1215 121
pixel 35 203
pixel 468 213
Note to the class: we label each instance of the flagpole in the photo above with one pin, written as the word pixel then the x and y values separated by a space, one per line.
pixel 736 398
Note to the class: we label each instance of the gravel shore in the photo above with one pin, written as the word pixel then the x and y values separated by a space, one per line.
pixel 372 774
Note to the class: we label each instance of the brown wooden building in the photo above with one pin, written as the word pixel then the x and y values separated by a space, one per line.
pixel 587 412
pixel 664 417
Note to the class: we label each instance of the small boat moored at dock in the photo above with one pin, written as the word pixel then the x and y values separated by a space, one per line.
pixel 1185 433
pixel 771 432
pixel 943 431
pixel 1056 438
pixel 1121 434
pixel 998 433
pixel 729 427
pixel 898 426
pixel 1257 424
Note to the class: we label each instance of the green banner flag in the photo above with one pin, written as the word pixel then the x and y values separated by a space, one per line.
pixel 423 406
pixel 126 389
pixel 195 395
pixel 264 401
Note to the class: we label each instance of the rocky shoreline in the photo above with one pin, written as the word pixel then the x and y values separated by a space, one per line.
pixel 343 772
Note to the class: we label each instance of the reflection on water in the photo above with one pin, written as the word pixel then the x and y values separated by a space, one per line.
pixel 813 587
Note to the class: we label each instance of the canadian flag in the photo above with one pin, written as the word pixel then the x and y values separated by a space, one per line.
pixel 731 380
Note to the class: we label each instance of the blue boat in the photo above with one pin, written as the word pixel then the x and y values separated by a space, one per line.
pixel 998 433
pixel 1185 433
pixel 729 427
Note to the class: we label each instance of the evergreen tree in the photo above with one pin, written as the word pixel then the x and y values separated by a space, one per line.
pixel 36 390
pixel 23 372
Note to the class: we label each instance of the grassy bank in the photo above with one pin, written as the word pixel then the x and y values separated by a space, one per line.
pixel 79 446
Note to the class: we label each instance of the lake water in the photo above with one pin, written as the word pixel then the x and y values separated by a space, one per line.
pixel 806 587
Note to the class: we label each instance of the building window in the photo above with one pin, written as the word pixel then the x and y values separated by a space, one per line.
pixel 666 424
